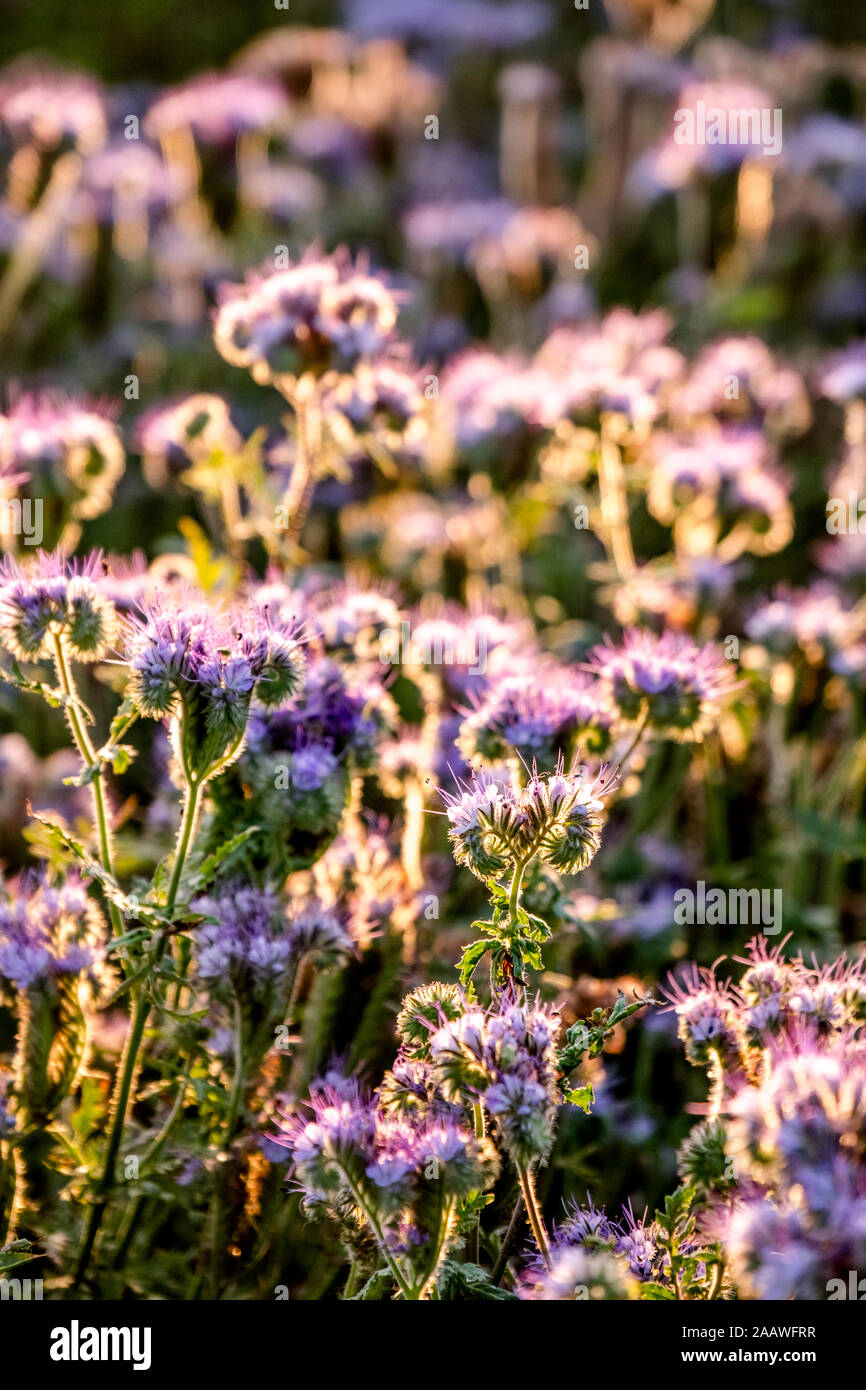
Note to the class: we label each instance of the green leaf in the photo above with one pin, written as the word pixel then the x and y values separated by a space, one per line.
pixel 471 958
pixel 582 1096
pixel 656 1293
pixel 540 930
pixel 469 1281
pixel 469 1210
pixel 50 694
pixel 379 1285
pixel 205 871
pixel 490 927
pixel 17 1253
pixel 130 906
pixel 531 954
pixel 516 953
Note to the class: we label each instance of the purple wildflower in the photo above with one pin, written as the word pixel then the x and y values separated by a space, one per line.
pixel 679 686
pixel 49 598
pixel 323 315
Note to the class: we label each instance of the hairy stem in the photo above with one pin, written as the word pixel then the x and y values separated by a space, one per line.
pixel 129 1064
pixel 88 756
pixel 533 1212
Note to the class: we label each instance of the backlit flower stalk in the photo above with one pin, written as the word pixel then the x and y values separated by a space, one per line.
pixel 504 1061
pixel 301 329
pixel 497 831
pixel 780 1160
pixel 199 670
pixel 52 609
pixel 401 1174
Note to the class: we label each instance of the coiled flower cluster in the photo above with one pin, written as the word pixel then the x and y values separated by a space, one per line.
pixel 50 598
pixel 201 669
pixel 677 686
pixel 556 817
pixel 506 1057
pixel 775 997
pixel 402 1174
pixel 292 779
pixel 71 448
pixel 537 715
pixel 52 969
pixel 788 1122
pixel 48 932
pixel 247 938
pixel 321 316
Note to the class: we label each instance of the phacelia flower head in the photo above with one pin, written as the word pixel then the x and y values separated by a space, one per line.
pixel 816 620
pixel 53 109
pixel 708 1021
pixel 843 376
pixel 507 1058
pixel 202 669
pixel 48 600
pixel 578 1274
pixel 248 940
pixel 400 1168
pixel 350 618
pixel 48 933
pixel 72 445
pixel 322 315
pixel 381 401
pixel 538 715
pixel 677 685
pixel 423 1012
pixel 481 820
pixel 217 107
pixel 557 816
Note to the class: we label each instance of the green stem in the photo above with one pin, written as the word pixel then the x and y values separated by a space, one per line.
pixel 514 895
pixel 536 1221
pixel 717 1084
pixel 445 1225
pixel 185 834
pixel 231 1125
pixel 120 1106
pixel 88 756
pixel 405 1288
pixel 638 735
pixel 508 1240
pixel 238 1079
pixel 352 1281
pixel 154 1149
pixel 133 1044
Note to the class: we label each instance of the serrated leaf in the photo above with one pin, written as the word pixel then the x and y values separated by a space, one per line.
pixel 206 870
pixel 379 1285
pixel 540 930
pixel 582 1096
pixel 130 906
pixel 471 958
pixel 656 1293
pixel 469 1281
pixel 490 927
pixel 14 1255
